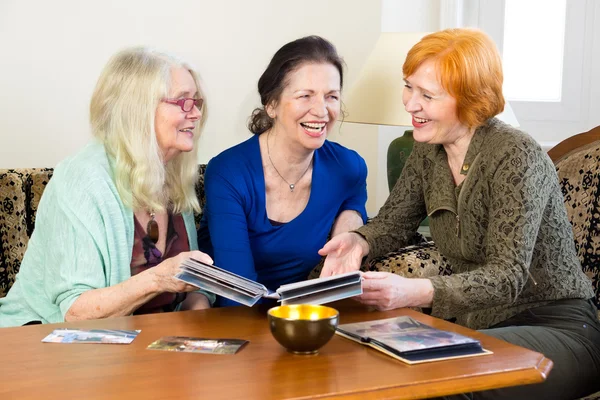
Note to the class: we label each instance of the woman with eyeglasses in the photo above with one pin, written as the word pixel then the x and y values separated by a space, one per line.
pixel 116 219
pixel 272 201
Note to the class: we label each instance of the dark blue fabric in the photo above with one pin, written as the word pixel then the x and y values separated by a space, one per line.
pixel 235 229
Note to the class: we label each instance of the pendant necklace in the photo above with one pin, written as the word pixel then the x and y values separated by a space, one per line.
pixel 152 228
pixel 291 185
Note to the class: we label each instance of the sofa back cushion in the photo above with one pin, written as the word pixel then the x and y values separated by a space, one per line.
pixel 20 192
pixel 200 193
pixel 579 177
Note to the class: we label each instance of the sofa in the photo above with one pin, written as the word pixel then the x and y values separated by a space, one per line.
pixel 578 167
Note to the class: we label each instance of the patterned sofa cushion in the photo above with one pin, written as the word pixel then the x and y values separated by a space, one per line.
pixel 200 193
pixel 417 261
pixel 13 225
pixel 579 176
pixel 35 184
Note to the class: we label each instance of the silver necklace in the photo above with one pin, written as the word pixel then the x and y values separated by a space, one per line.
pixel 291 185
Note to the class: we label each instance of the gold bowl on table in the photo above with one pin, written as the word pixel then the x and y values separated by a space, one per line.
pixel 303 328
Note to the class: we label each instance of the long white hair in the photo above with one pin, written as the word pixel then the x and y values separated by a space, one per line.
pixel 122 113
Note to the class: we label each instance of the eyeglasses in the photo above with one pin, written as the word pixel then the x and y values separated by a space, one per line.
pixel 186 104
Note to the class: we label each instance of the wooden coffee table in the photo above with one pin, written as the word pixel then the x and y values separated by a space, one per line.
pixel 343 369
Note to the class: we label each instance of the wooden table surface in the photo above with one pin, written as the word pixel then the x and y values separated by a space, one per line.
pixel 30 369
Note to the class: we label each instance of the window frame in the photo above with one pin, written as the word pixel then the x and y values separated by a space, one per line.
pixel 491 19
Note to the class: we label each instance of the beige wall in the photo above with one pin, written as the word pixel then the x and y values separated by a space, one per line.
pixel 53 52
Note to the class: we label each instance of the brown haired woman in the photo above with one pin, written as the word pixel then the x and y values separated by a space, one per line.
pixel 272 201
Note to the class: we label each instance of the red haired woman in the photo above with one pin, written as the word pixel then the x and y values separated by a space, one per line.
pixel 496 214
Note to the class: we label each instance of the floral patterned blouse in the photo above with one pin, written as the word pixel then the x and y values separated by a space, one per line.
pixel 146 255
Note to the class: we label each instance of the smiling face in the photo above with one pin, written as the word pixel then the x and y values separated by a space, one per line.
pixel 309 105
pixel 175 128
pixel 433 109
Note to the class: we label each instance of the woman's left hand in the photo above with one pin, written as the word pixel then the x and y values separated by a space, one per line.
pixel 388 291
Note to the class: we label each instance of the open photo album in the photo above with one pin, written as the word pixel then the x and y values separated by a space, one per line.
pixel 411 341
pixel 245 291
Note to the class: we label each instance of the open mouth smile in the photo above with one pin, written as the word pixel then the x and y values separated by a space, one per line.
pixel 189 131
pixel 313 127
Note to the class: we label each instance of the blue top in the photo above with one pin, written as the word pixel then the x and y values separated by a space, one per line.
pixel 235 220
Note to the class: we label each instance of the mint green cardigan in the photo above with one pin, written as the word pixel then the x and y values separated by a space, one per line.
pixel 83 240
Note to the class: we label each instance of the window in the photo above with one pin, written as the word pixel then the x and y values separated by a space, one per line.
pixel 549 59
pixel 533 50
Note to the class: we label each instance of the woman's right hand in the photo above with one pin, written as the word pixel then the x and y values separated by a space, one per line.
pixel 344 253
pixel 164 273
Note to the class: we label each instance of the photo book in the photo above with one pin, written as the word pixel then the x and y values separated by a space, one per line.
pixel 411 341
pixel 245 291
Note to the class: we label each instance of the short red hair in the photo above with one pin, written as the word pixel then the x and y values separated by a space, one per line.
pixel 469 68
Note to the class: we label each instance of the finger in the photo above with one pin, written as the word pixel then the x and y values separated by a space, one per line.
pixel 376 275
pixel 377 304
pixel 187 288
pixel 205 258
pixel 191 288
pixel 372 293
pixel 329 247
pixel 373 285
pixel 325 272
pixel 367 302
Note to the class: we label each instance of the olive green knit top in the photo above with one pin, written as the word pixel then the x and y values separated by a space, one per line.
pixel 504 229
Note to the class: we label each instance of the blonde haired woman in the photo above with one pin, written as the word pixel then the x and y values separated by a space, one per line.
pixel 116 219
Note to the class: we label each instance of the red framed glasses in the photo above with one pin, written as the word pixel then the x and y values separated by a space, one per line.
pixel 186 104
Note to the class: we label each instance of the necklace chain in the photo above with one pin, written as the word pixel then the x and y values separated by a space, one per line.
pixel 291 185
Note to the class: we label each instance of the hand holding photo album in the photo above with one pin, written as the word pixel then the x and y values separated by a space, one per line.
pixel 411 341
pixel 245 291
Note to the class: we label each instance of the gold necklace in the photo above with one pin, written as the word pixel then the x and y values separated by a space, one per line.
pixel 291 185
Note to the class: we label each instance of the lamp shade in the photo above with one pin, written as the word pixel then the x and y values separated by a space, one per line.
pixel 376 96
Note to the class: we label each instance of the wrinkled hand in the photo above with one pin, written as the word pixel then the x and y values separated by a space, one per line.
pixel 164 273
pixel 388 291
pixel 344 253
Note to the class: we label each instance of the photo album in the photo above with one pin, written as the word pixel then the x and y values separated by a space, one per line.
pixel 411 341
pixel 245 291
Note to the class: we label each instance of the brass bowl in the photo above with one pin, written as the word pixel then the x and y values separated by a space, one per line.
pixel 303 328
